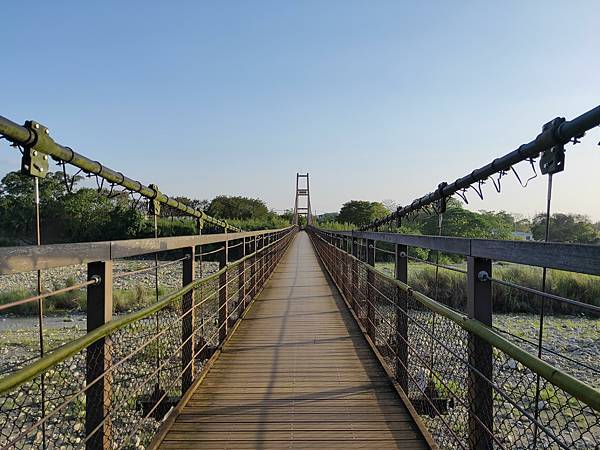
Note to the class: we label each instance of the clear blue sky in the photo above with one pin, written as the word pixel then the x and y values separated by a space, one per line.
pixel 377 100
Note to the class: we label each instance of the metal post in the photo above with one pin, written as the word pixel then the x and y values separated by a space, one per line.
pixel 199 226
pixel 262 261
pixel 267 258
pixel 187 325
pixel 401 273
pixel 40 303
pixel 344 264
pixel 354 267
pixel 98 359
pixel 370 257
pixel 253 272
pixel 242 276
pixel 223 306
pixel 479 307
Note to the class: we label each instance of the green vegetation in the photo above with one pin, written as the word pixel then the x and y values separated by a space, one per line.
pixel 124 300
pixel 460 222
pixel 71 213
pixel 359 212
pixel 68 301
pixel 27 309
pixel 241 208
pixel 566 228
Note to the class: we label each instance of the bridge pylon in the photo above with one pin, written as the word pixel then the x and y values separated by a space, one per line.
pixel 302 190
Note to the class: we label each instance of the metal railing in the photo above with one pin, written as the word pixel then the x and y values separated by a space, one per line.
pixel 113 386
pixel 472 384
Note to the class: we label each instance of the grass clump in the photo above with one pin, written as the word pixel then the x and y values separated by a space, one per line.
pixel 67 301
pixel 125 300
pixel 26 309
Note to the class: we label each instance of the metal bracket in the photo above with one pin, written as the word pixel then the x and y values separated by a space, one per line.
pixel 34 162
pixel 443 201
pixel 154 204
pixel 553 159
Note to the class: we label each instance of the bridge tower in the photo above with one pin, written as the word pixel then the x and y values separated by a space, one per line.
pixel 302 190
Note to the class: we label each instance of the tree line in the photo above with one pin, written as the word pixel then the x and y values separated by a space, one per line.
pixel 461 222
pixel 71 212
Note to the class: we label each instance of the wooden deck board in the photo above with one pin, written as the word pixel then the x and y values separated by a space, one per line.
pixel 298 373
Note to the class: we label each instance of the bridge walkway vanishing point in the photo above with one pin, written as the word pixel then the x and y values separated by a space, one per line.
pixel 297 373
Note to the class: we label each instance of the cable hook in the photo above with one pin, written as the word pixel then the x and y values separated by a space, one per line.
pixel 478 190
pixel 463 194
pixel 535 174
pixel 497 184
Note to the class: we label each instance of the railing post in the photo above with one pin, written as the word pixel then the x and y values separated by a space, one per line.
pixel 223 304
pixel 354 269
pixel 261 261
pixel 370 250
pixel 401 273
pixel 343 275
pixel 253 272
pixel 266 266
pixel 98 359
pixel 268 258
pixel 479 307
pixel 187 324
pixel 242 276
pixel 257 259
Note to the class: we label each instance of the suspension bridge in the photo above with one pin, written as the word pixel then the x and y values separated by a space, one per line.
pixel 299 337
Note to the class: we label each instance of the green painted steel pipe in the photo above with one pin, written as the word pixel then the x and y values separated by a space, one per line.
pixel 578 389
pixel 38 367
pixel 34 135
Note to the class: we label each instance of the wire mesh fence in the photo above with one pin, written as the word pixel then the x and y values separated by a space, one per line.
pixel 470 386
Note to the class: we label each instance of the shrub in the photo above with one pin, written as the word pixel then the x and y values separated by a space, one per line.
pixel 68 300
pixel 26 309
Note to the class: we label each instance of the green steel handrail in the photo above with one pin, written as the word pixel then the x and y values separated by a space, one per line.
pixel 35 136
pixel 578 389
pixel 51 359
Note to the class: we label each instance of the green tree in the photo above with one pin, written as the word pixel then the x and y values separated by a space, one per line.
pixel 327 218
pixel 226 207
pixel 90 216
pixel 461 222
pixel 81 215
pixel 167 211
pixel 360 212
pixel 574 228
pixel 287 215
pixel 17 205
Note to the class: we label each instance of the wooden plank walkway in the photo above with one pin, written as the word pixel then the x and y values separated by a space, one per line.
pixel 298 373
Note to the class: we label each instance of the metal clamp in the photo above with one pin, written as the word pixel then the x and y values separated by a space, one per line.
pixel 442 202
pixel 35 163
pixel 154 204
pixel 553 159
